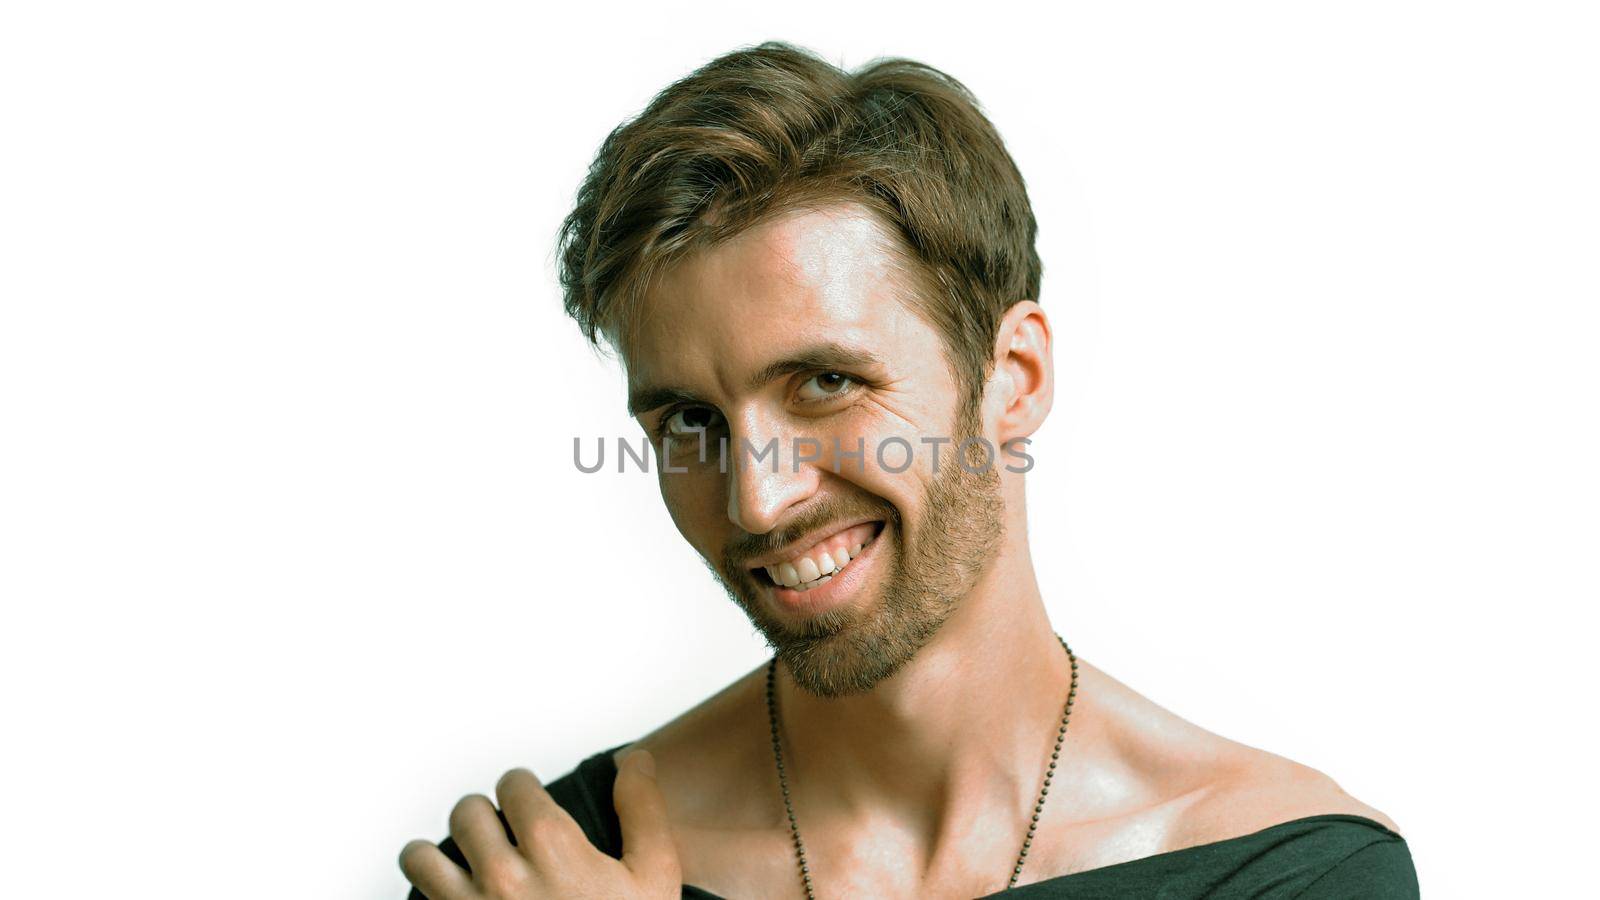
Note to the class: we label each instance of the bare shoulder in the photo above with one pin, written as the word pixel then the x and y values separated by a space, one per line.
pixel 708 758
pixel 714 767
pixel 1206 787
pixel 1256 789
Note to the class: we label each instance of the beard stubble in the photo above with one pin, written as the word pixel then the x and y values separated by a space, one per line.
pixel 849 650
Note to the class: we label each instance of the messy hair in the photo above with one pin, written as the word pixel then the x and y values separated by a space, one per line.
pixel 774 128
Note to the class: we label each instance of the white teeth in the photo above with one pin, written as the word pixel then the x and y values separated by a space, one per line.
pixel 812 584
pixel 808 570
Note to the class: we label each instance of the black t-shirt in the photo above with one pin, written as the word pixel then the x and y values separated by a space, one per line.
pixel 1328 857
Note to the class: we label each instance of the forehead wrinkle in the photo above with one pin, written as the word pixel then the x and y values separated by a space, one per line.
pixel 832 274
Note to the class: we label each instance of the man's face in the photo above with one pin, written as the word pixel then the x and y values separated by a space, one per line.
pixel 793 333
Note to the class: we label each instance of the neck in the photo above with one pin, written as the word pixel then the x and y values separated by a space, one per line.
pixel 965 725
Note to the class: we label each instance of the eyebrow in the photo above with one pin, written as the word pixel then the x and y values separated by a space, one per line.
pixel 647 398
pixel 826 355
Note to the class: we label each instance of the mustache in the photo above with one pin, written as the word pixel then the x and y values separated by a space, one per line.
pixel 833 509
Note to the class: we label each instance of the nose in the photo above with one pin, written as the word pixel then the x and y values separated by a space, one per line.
pixel 764 477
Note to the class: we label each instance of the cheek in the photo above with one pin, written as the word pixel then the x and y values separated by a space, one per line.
pixel 897 464
pixel 875 475
pixel 695 501
pixel 908 491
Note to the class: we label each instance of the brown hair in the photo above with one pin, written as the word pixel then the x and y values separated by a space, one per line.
pixel 772 128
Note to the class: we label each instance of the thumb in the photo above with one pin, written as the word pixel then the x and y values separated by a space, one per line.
pixel 647 847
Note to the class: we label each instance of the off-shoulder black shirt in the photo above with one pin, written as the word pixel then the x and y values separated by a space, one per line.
pixel 1327 857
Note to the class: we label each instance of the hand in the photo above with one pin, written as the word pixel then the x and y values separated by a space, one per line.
pixel 552 857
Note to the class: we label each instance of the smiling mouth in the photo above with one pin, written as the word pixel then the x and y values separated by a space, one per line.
pixel 817 565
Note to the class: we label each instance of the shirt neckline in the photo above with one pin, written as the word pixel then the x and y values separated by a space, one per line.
pixel 610 764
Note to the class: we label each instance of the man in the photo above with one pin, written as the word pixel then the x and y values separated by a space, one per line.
pixel 817 281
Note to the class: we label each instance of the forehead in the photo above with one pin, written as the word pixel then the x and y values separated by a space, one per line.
pixel 809 276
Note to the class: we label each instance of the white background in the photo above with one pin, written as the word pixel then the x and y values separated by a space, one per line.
pixel 293 552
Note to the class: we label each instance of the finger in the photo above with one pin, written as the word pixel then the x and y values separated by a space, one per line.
pixel 433 873
pixel 647 847
pixel 478 833
pixel 536 819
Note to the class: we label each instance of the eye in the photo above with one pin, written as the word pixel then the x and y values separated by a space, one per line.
pixel 826 386
pixel 691 419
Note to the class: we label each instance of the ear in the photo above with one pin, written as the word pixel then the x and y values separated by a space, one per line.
pixel 1023 383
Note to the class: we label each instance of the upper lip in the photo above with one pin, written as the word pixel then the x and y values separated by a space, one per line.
pixel 811 539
